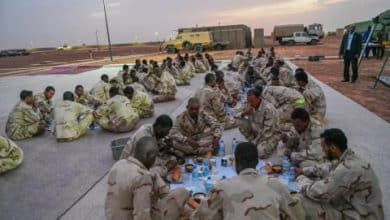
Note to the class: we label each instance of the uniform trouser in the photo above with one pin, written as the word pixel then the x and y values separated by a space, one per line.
pixel 171 206
pixel 11 156
pixel 348 59
pixel 18 132
pixel 265 148
pixel 84 124
pixel 163 98
pixel 122 126
pixel 182 149
pixel 315 210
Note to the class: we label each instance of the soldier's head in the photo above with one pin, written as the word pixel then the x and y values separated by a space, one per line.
pixel 104 78
pixel 79 90
pixel 114 91
pixel 162 126
pixel 125 67
pixel 193 107
pixel 351 28
pixel 137 62
pixel 246 156
pixel 68 96
pixel 145 62
pixel 270 62
pixel 275 76
pixel 254 96
pixel 49 92
pixel 114 83
pixel 210 79
pixel 169 62
pixel 278 63
pixel 301 77
pixel 334 143
pixel 128 92
pixel 300 119
pixel 146 151
pixel 27 97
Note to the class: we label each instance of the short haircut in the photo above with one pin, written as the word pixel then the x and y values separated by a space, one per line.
pixel 280 62
pixel 301 76
pixel 49 88
pixel 68 96
pixel 104 77
pixel 219 73
pixel 144 61
pixel 275 73
pixel 128 90
pixel 336 137
pixel 163 121
pixel 299 70
pixel 246 155
pixel 257 91
pixel 125 67
pixel 300 113
pixel 78 86
pixel 193 101
pixel 145 145
pixel 209 78
pixel 114 91
pixel 25 93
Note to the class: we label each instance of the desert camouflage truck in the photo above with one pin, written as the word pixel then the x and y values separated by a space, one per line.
pixel 196 41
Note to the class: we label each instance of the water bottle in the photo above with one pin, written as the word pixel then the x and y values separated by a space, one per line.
pixel 286 164
pixel 206 170
pixel 221 148
pixel 234 145
pixel 209 185
pixel 291 174
pixel 194 173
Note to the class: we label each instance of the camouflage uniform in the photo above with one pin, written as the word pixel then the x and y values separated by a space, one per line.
pixel 117 115
pixel 100 91
pixel 266 75
pixel 143 104
pixel 121 83
pixel 262 128
pixel 146 130
pixel 23 122
pixel 138 87
pixel 315 100
pixel 11 156
pixel 166 88
pixel 305 149
pixel 250 196
pixel 184 76
pixel 211 101
pixel 86 99
pixel 285 100
pixel 173 71
pixel 71 120
pixel 121 72
pixel 203 131
pixel 351 191
pixel 200 67
pixel 136 193
pixel 150 81
pixel 237 60
pixel 286 77
pixel 191 68
pixel 44 105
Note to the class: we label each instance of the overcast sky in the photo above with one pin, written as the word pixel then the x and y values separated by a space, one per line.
pixel 49 23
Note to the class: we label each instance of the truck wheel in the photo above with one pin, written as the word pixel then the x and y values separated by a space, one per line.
pixel 291 43
pixel 218 47
pixel 187 45
pixel 198 48
pixel 171 49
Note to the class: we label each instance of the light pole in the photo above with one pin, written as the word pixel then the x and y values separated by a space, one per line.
pixel 108 32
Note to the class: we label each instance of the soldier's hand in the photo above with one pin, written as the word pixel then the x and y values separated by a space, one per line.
pixel 248 111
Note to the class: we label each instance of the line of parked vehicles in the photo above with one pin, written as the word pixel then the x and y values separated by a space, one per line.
pixel 14 53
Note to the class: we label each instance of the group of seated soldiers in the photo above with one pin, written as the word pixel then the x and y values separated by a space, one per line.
pixel 283 115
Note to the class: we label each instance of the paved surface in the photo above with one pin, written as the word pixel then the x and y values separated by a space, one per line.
pixel 54 177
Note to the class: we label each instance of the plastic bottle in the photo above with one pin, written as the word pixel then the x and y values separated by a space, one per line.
pixel 286 164
pixel 206 169
pixel 209 185
pixel 291 174
pixel 222 148
pixel 194 173
pixel 234 145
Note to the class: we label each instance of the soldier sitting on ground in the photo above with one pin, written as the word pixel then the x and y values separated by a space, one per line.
pixel 25 120
pixel 117 115
pixel 11 156
pixel 248 195
pixel 165 87
pixel 140 101
pixel 350 191
pixel 100 91
pixel 44 103
pixel 71 119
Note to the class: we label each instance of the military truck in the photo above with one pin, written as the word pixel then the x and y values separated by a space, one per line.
pixel 196 41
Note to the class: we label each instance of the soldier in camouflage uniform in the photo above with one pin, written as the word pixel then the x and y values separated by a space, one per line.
pixel 171 68
pixel 135 192
pixel 123 81
pixel 71 119
pixel 211 102
pixel 165 161
pixel 285 100
pixel 125 69
pixel 189 65
pixel 44 103
pixel 195 132
pixel 350 191
pixel 84 98
pixel 248 195
pixel 184 77
pixel 140 101
pixel 136 84
pixel 165 88
pixel 238 59
pixel 314 96
pixel 303 142
pixel 259 123
pixel 11 156
pixel 117 115
pixel 200 66
pixel 25 120
pixel 100 91
pixel 286 75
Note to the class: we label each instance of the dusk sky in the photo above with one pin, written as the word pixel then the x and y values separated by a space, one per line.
pixel 51 23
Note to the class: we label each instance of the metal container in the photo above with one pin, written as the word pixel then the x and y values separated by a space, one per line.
pixel 117 147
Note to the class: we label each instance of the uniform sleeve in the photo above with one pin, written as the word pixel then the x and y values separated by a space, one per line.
pixel 268 124
pixel 319 170
pixel 31 116
pixel 175 132
pixel 293 139
pixel 214 124
pixel 212 207
pixel 314 150
pixel 142 197
pixel 216 104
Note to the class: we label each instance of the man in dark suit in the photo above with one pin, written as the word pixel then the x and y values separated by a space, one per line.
pixel 350 49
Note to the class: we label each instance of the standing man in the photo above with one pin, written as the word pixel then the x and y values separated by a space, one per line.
pixel 350 49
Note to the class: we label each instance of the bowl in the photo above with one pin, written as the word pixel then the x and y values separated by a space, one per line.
pixel 199 160
pixel 189 168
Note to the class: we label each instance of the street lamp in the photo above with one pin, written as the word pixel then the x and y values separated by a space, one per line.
pixel 108 32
